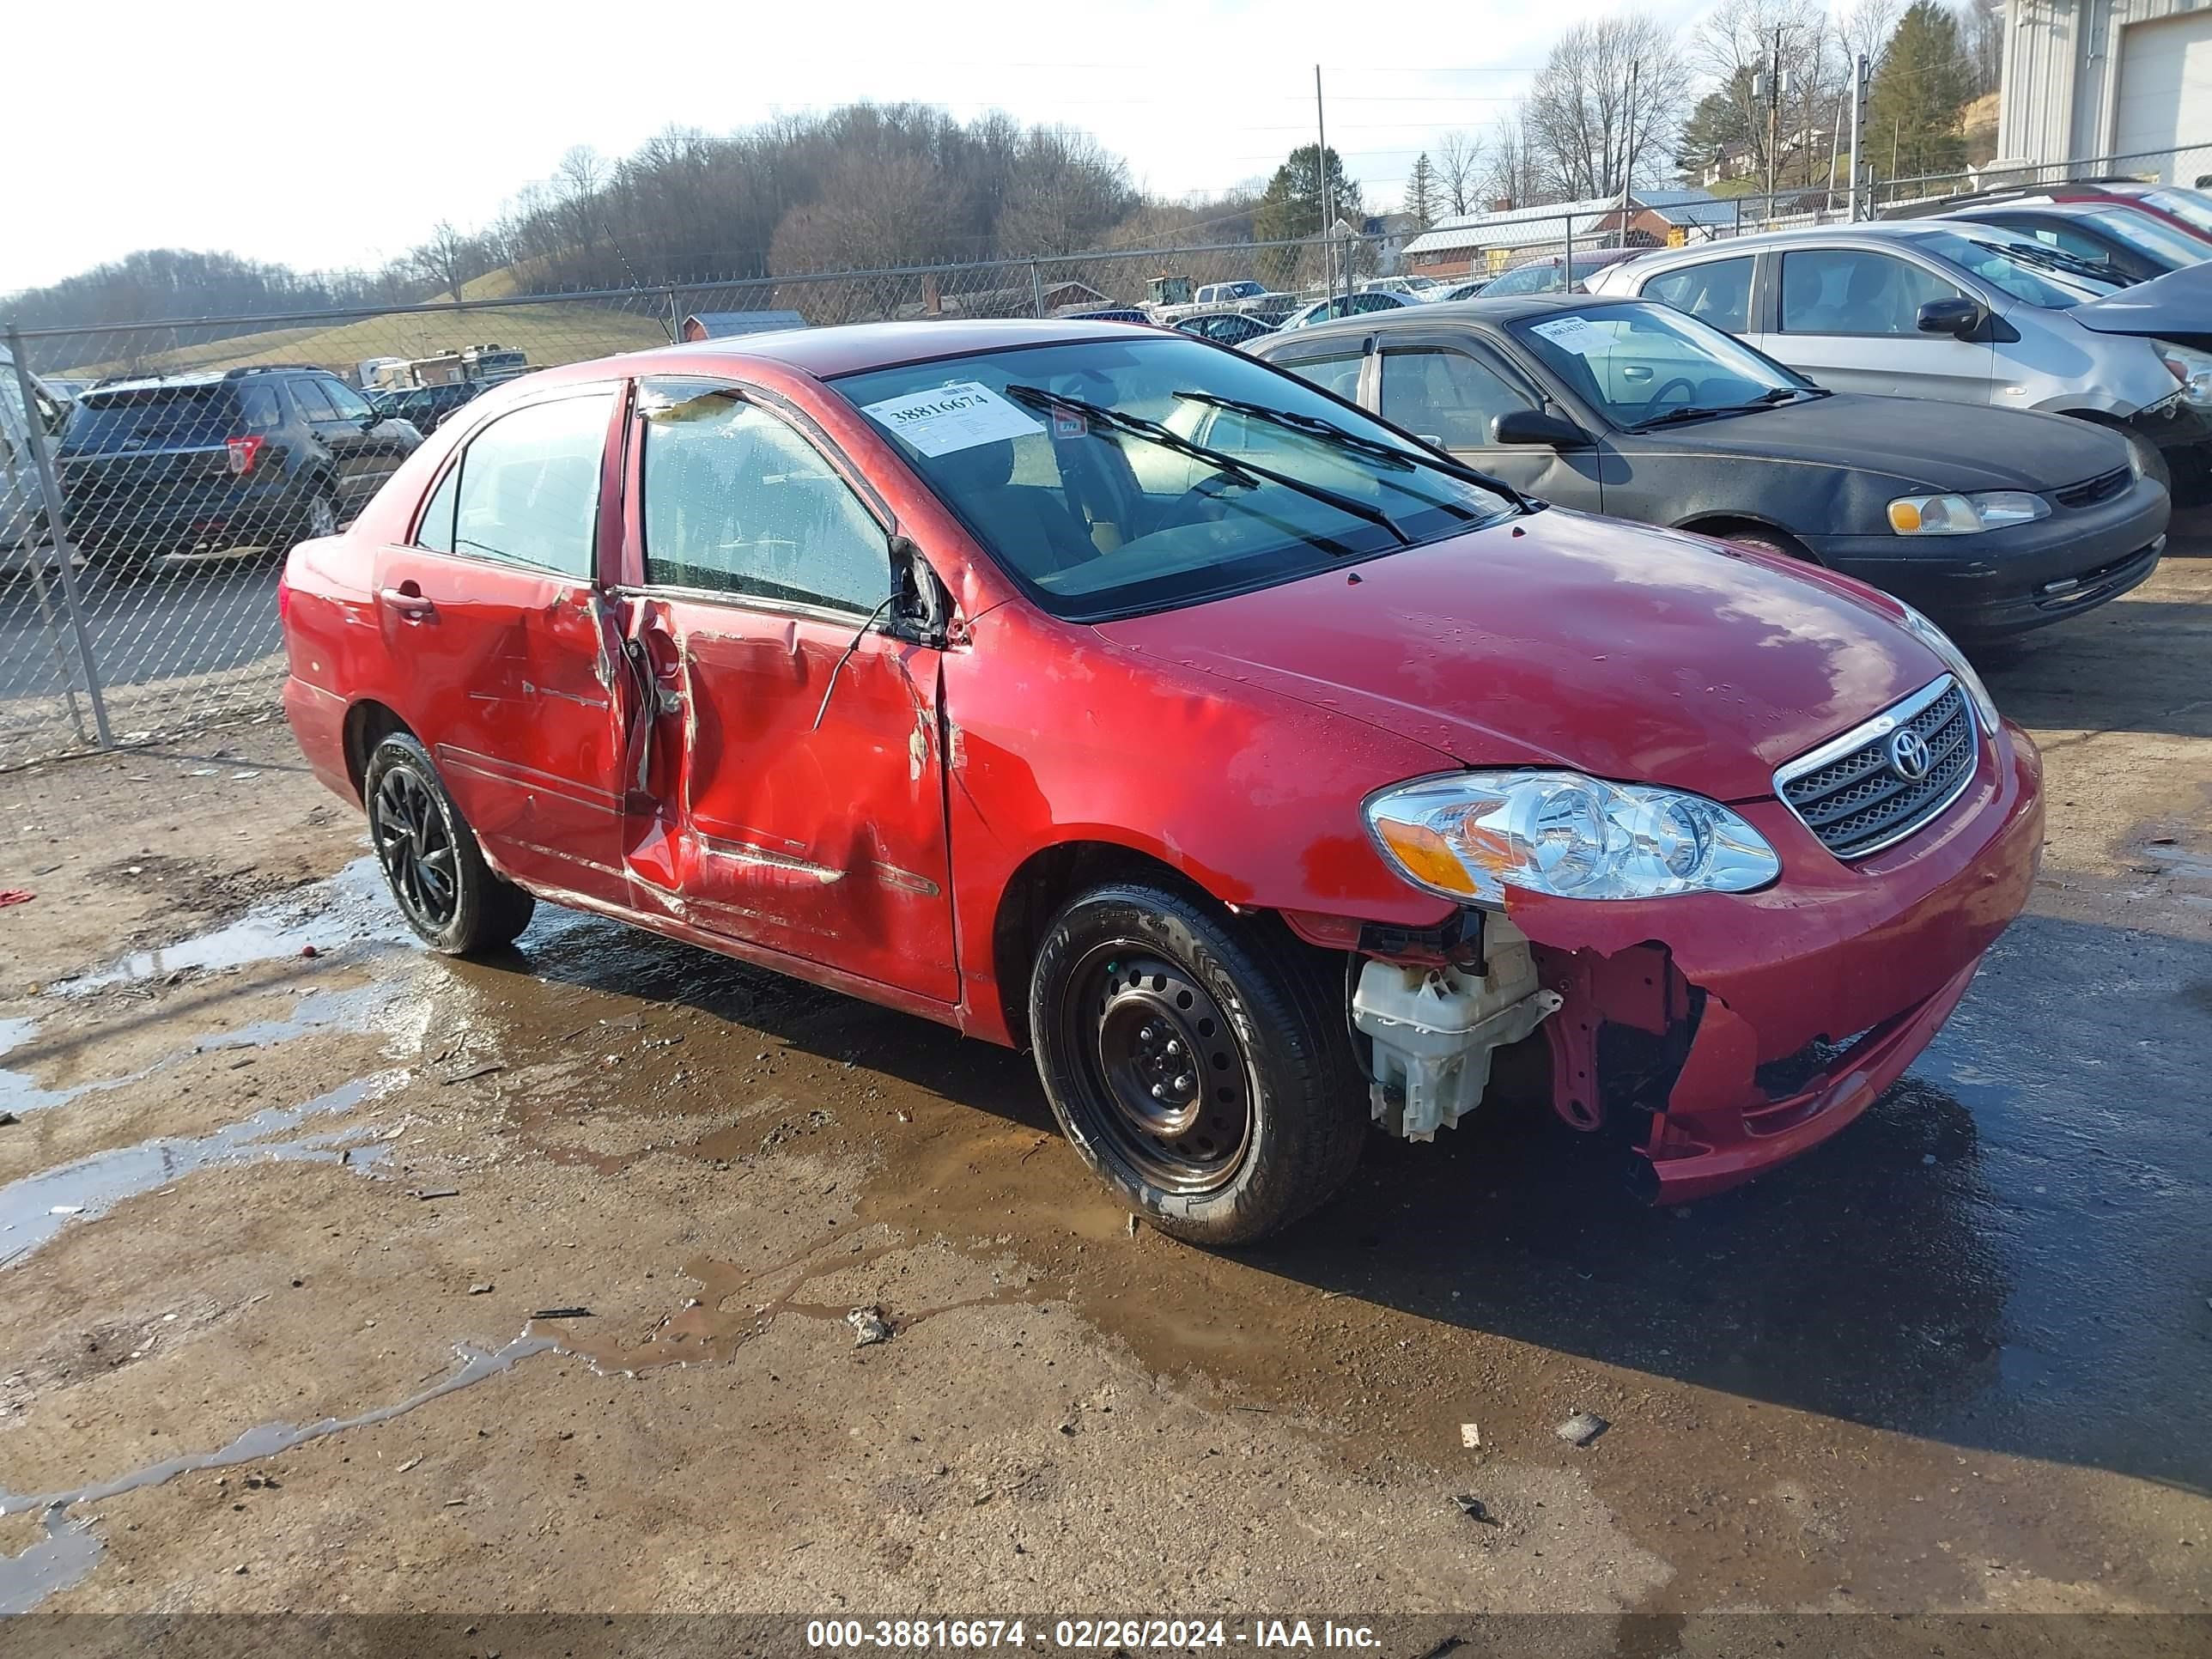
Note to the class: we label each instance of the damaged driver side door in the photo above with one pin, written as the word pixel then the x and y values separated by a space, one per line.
pixel 788 790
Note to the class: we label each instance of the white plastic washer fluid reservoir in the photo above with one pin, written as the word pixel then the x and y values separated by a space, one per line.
pixel 1433 1029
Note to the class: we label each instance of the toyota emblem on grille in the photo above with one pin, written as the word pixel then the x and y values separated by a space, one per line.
pixel 1908 755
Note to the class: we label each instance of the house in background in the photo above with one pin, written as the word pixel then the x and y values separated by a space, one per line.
pixel 2086 78
pixel 727 325
pixel 1479 244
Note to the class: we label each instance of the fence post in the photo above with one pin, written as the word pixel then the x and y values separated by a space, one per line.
pixel 50 497
pixel 675 318
pixel 1036 290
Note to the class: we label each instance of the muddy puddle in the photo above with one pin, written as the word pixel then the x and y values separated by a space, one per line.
pixel 35 1208
pixel 352 908
pixel 71 1548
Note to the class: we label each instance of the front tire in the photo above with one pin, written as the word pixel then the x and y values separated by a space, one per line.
pixel 1201 1068
pixel 431 862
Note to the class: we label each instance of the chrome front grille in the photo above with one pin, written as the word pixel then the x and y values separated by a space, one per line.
pixel 1879 782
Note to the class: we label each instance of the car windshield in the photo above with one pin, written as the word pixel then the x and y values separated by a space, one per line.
pixel 1116 477
pixel 2192 207
pixel 170 416
pixel 2021 266
pixel 2157 241
pixel 1644 365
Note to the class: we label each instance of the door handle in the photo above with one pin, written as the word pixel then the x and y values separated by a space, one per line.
pixel 407 600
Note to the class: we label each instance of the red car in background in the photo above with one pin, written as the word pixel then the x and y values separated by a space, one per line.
pixel 2177 205
pixel 1102 691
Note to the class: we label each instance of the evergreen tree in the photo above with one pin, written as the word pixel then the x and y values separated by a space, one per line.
pixel 1421 192
pixel 1913 107
pixel 1291 208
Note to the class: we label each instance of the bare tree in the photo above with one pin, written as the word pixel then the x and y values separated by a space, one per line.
pixel 449 260
pixel 1065 192
pixel 1459 166
pixel 1983 26
pixel 1579 116
pixel 875 211
pixel 1511 172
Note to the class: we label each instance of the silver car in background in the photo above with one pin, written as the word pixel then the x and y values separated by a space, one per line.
pixel 1961 311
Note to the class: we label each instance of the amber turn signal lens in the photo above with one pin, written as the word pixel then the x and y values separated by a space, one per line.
pixel 1905 517
pixel 1426 855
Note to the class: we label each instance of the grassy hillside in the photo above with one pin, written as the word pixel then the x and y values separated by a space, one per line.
pixel 555 332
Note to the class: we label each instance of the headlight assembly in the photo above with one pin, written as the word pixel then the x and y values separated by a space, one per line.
pixel 2193 369
pixel 1985 708
pixel 1470 836
pixel 1965 515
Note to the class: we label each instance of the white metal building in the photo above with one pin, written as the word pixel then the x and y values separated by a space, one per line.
pixel 2109 77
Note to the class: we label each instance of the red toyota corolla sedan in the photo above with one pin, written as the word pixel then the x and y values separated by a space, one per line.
pixel 1103 690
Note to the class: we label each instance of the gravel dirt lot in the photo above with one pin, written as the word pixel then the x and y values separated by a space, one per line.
pixel 284 1203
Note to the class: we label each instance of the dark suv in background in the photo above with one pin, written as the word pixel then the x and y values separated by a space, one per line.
pixel 424 406
pixel 260 457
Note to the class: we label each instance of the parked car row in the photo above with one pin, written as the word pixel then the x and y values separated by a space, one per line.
pixel 1279 742
pixel 1964 311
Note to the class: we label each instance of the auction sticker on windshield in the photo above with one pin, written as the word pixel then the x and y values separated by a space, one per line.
pixel 946 418
pixel 1576 334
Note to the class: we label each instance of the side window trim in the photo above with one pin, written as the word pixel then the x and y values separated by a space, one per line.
pixel 630 580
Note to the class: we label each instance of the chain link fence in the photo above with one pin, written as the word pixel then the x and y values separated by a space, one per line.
pixel 156 473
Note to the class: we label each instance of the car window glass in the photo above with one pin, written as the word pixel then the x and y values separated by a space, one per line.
pixel 530 486
pixel 1637 362
pixel 2192 207
pixel 1449 396
pixel 308 394
pixel 1854 291
pixel 1717 292
pixel 737 502
pixel 436 531
pixel 1099 507
pixel 348 403
pixel 1337 374
pixel 2165 244
pixel 2020 266
pixel 259 408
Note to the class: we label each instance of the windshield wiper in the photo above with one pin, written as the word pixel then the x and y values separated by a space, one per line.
pixel 1235 467
pixel 1692 412
pixel 1405 460
pixel 2066 265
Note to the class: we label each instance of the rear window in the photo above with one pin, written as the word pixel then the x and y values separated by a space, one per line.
pixel 166 418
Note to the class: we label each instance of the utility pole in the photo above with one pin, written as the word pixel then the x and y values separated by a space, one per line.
pixel 1327 210
pixel 1627 154
pixel 1858 114
pixel 1773 115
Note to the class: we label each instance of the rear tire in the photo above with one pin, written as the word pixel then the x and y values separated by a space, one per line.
pixel 320 519
pixel 437 874
pixel 1200 1066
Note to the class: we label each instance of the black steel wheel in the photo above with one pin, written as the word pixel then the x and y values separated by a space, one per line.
pixel 429 855
pixel 1178 1093
pixel 1197 1062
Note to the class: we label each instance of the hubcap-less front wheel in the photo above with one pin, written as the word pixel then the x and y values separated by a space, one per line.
pixel 415 847
pixel 1176 1092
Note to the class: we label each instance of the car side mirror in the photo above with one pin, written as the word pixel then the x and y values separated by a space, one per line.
pixel 371 421
pixel 1957 318
pixel 921 610
pixel 1531 426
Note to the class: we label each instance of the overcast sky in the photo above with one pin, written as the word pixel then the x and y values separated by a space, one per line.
pixel 324 135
